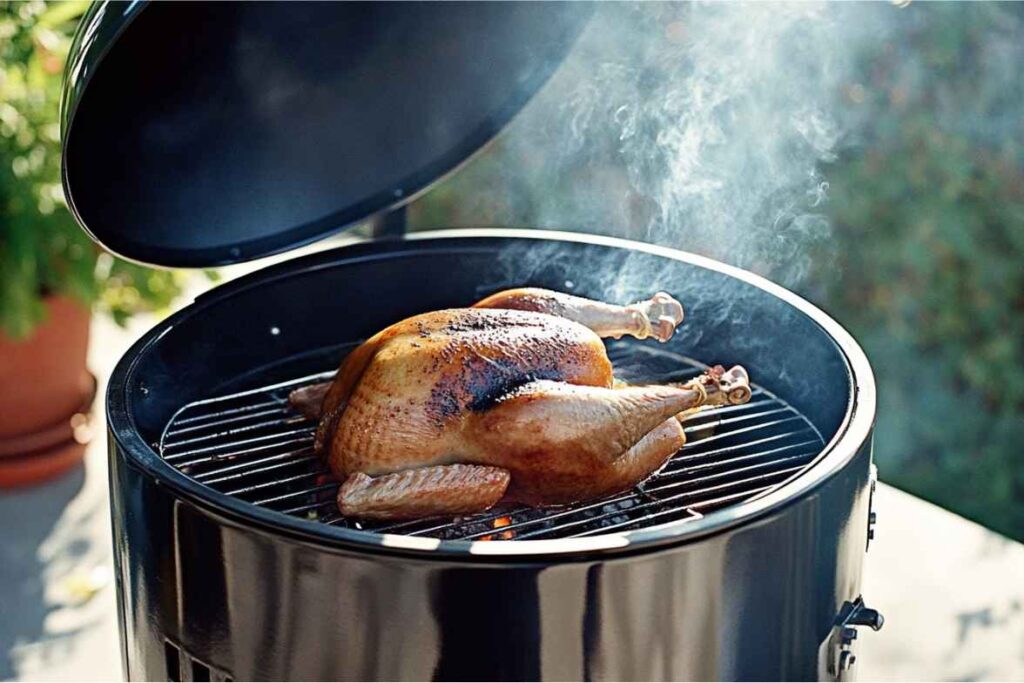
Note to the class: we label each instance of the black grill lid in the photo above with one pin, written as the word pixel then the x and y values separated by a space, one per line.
pixel 201 134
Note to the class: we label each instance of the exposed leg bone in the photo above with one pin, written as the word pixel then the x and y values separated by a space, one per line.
pixel 722 387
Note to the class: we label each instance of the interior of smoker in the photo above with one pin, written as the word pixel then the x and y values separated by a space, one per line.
pixel 209 391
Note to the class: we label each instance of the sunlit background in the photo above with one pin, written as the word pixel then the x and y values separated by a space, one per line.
pixel 868 156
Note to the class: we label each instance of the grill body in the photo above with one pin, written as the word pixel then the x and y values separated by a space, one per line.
pixel 210 587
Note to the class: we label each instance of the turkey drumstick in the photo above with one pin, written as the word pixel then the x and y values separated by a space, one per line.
pixel 656 317
pixel 451 411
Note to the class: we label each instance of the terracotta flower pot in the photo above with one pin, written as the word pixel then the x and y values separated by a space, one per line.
pixel 45 395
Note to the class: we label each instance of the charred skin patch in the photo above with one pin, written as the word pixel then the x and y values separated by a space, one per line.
pixel 481 362
pixel 477 381
pixel 486 389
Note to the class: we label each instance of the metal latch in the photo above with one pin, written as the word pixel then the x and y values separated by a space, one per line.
pixel 851 615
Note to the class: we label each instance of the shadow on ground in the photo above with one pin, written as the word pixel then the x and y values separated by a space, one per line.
pixel 41 538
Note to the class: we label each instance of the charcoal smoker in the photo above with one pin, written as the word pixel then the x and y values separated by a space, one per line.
pixel 206 134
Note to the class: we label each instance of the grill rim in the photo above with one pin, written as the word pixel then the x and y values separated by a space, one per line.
pixel 853 433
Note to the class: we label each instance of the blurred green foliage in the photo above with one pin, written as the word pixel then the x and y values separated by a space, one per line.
pixel 928 213
pixel 42 250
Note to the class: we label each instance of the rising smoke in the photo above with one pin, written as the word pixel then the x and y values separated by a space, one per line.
pixel 704 127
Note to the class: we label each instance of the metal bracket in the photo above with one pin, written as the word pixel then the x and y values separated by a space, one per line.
pixel 851 615
pixel 859 614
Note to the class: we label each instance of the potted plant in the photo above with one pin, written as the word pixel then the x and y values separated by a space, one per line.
pixel 51 274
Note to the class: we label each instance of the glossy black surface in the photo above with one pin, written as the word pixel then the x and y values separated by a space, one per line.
pixel 750 592
pixel 753 603
pixel 208 133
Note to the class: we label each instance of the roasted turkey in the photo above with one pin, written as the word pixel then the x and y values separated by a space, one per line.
pixel 513 400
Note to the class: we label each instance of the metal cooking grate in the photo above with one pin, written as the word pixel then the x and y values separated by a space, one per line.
pixel 252 446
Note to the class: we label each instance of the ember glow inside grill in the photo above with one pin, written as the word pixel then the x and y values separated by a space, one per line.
pixel 252 445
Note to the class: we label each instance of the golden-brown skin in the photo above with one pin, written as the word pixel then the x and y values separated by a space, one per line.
pixel 423 491
pixel 404 395
pixel 527 396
